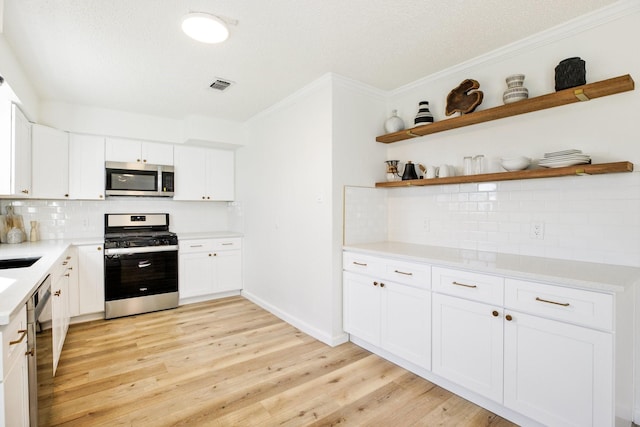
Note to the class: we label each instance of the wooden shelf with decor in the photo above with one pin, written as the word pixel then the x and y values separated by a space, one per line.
pixel 563 97
pixel 587 169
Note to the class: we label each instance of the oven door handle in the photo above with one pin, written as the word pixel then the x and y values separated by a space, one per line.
pixel 144 264
pixel 140 250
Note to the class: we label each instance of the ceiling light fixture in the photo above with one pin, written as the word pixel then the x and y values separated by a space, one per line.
pixel 204 27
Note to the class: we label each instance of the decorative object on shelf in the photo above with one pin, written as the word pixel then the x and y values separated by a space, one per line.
pixel 516 91
pixel 432 172
pixel 515 163
pixel 392 170
pixel 462 99
pixel 570 72
pixel 467 165
pixel 409 172
pixel 14 235
pixel 393 123
pixel 478 164
pixel 445 171
pixel 34 233
pixel 424 116
pixel 559 159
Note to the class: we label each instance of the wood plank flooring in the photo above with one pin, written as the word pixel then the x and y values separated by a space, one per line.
pixel 230 363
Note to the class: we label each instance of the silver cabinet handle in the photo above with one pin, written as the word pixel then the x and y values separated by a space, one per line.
pixel 564 304
pixel 143 264
pixel 363 264
pixel 195 246
pixel 464 285
pixel 402 272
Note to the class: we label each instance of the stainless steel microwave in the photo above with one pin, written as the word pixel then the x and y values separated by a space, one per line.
pixel 139 179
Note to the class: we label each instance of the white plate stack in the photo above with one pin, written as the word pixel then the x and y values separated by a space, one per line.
pixel 560 159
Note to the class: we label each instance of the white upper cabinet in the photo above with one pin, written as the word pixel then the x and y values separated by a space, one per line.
pixel 204 174
pixel 86 167
pixel 15 151
pixel 131 151
pixel 49 163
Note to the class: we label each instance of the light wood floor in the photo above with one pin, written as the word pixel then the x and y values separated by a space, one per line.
pixel 230 363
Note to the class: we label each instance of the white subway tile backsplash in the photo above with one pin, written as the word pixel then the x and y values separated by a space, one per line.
pixel 586 218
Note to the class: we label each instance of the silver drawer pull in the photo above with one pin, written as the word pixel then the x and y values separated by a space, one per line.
pixel 465 285
pixel 402 272
pixel 360 263
pixel 195 246
pixel 144 264
pixel 564 304
pixel 227 244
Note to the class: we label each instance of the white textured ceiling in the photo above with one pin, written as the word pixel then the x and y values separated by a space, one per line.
pixel 131 55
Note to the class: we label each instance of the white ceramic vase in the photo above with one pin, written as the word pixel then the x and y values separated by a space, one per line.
pixel 516 91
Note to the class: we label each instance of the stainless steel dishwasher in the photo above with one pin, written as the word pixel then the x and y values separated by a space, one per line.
pixel 35 306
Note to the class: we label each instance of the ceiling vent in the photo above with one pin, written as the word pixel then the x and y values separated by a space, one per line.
pixel 220 84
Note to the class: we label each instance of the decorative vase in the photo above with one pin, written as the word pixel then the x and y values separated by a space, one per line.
pixel 424 116
pixel 516 91
pixel 392 170
pixel 570 72
pixel 34 232
pixel 394 123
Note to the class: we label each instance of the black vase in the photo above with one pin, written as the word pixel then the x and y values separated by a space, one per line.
pixel 570 72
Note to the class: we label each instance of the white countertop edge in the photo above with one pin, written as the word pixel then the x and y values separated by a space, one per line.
pixel 22 282
pixel 209 235
pixel 575 274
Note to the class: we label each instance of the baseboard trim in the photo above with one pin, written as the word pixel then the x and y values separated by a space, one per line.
pixel 332 341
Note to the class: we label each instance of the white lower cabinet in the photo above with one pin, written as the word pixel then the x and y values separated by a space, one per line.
pixel 14 379
pixel 393 316
pixel 89 287
pixel 536 352
pixel 60 314
pixel 468 345
pixel 557 373
pixel 209 266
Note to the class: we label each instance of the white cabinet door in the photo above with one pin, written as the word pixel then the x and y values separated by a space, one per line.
pixel 14 381
pixel 204 174
pixel 86 167
pixel 157 153
pixel 556 373
pixel 196 274
pixel 132 151
pixel 220 175
pixel 59 315
pixel 90 279
pixel 228 270
pixel 468 344
pixel 190 173
pixel 15 152
pixel 406 323
pixel 362 299
pixel 15 391
pixel 22 154
pixel 49 163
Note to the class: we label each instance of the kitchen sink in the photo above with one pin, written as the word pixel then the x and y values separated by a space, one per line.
pixel 17 262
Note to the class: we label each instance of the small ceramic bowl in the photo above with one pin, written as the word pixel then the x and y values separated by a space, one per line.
pixel 515 163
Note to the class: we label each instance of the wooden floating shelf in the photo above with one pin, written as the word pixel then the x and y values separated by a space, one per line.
pixel 568 96
pixel 597 169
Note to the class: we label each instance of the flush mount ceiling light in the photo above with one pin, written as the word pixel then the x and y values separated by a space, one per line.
pixel 204 27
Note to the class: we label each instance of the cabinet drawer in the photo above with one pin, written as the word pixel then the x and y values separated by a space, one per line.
pixel 195 245
pixel 577 306
pixel 474 286
pixel 14 340
pixel 365 264
pixel 409 273
pixel 226 244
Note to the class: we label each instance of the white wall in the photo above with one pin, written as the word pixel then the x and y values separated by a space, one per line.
pixel 13 74
pixel 284 179
pixel 593 218
pixel 299 154
pixel 206 131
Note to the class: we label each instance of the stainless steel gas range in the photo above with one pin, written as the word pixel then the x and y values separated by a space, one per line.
pixel 141 264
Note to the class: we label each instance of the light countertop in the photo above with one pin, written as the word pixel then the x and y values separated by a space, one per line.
pixel 585 275
pixel 17 284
